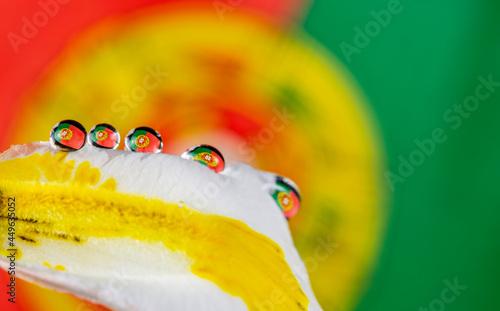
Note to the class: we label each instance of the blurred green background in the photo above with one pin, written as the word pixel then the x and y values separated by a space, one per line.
pixel 444 220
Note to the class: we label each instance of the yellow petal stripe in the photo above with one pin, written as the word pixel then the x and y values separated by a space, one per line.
pixel 227 252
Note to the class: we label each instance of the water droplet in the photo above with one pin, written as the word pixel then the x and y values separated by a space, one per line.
pixel 206 155
pixel 68 135
pixel 144 139
pixel 104 135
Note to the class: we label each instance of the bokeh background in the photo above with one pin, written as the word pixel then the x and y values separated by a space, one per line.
pixel 385 113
